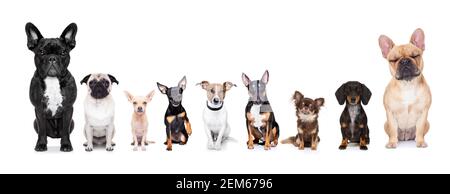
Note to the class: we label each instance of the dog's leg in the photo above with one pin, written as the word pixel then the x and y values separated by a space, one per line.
pixel 144 140
pixel 66 124
pixel 41 125
pixel 135 140
pixel 314 141
pixel 89 133
pixel 250 137
pixel 391 128
pixel 188 125
pixel 109 135
pixel 345 139
pixel 169 142
pixel 275 136
pixel 218 144
pixel 209 138
pixel 422 128
pixel 362 138
pixel 301 138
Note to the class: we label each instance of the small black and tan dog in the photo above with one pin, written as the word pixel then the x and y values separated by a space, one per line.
pixel 353 119
pixel 307 111
pixel 178 127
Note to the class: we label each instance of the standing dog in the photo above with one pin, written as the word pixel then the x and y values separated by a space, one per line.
pixel 139 123
pixel 307 111
pixel 215 116
pixel 53 89
pixel 178 127
pixel 99 111
pixel 407 98
pixel 353 119
pixel 260 120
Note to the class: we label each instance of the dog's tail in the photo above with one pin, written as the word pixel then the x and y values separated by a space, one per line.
pixel 290 140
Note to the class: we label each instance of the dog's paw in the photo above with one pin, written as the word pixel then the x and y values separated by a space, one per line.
pixel 363 147
pixel 218 146
pixel 421 144
pixel 211 145
pixel 66 147
pixel 143 148
pixel 89 148
pixel 266 148
pixel 109 148
pixel 135 148
pixel 343 147
pixel 391 145
pixel 169 149
pixel 250 146
pixel 40 147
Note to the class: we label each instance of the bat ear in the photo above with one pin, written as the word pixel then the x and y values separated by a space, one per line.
pixel 33 35
pixel 366 94
pixel 85 79
pixel 418 39
pixel 297 97
pixel 340 94
pixel 162 88
pixel 245 80
pixel 319 101
pixel 386 45
pixel 265 77
pixel 69 34
pixel 182 83
pixel 129 96
pixel 150 95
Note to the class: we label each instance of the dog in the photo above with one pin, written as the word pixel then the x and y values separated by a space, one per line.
pixel 260 120
pixel 178 127
pixel 139 123
pixel 99 111
pixel 215 115
pixel 53 89
pixel 407 98
pixel 307 111
pixel 353 119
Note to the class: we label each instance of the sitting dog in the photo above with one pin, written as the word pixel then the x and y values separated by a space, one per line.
pixel 353 119
pixel 99 128
pixel 407 98
pixel 307 111
pixel 139 123
pixel 215 115
pixel 53 90
pixel 178 127
pixel 260 119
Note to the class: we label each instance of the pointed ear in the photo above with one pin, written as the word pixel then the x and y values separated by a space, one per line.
pixel 129 96
pixel 149 96
pixel 85 79
pixel 162 88
pixel 297 97
pixel 245 80
pixel 319 101
pixel 68 35
pixel 182 83
pixel 386 45
pixel 203 84
pixel 33 35
pixel 113 79
pixel 228 85
pixel 340 94
pixel 418 39
pixel 366 94
pixel 265 77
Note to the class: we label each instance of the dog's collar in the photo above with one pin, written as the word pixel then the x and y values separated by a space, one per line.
pixel 214 109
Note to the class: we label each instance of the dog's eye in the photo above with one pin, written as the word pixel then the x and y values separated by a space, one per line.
pixel 145 103
pixel 213 91
pixel 134 103
pixel 415 56
pixel 63 53
pixel 42 52
pixel 393 60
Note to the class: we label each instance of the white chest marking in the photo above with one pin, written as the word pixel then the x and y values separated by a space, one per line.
pixel 353 111
pixel 256 110
pixel 53 94
pixel 307 117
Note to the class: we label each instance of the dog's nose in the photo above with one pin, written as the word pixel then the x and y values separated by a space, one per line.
pixel 52 59
pixel 353 99
pixel 215 100
pixel 405 62
pixel 139 109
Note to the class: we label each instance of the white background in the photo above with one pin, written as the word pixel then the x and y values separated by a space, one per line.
pixel 311 46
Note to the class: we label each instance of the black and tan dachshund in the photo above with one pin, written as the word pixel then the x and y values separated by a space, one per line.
pixel 353 119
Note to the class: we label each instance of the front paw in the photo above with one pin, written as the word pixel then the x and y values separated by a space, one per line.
pixel 211 145
pixel 67 147
pixel 218 146
pixel 343 147
pixel 421 144
pixel 363 147
pixel 391 145
pixel 89 148
pixel 135 148
pixel 40 147
pixel 143 148
pixel 109 148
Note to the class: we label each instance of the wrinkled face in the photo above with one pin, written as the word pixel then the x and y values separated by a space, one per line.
pixel 257 88
pixel 405 62
pixel 216 92
pixel 99 86
pixel 174 94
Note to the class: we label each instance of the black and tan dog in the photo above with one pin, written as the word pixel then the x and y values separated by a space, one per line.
pixel 178 127
pixel 353 119
pixel 260 120
pixel 307 111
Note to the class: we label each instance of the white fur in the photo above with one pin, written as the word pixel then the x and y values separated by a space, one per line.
pixel 353 110
pixel 216 122
pixel 256 113
pixel 307 117
pixel 53 94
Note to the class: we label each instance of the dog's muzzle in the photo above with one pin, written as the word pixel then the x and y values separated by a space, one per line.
pixel 406 70
pixel 140 110
pixel 99 91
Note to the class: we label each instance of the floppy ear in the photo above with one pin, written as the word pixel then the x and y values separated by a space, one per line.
pixel 265 77
pixel 33 35
pixel 228 85
pixel 113 79
pixel 162 88
pixel 319 101
pixel 182 83
pixel 386 45
pixel 149 96
pixel 129 96
pixel 418 39
pixel 203 84
pixel 366 94
pixel 297 97
pixel 85 79
pixel 340 94
pixel 68 35
pixel 245 80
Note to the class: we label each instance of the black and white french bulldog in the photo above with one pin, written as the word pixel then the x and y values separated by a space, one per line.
pixel 53 89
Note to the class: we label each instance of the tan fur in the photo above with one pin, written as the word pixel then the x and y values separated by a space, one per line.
pixel 139 122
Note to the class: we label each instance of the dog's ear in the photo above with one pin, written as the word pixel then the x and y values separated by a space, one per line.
pixel 113 79
pixel 203 84
pixel 366 94
pixel 265 77
pixel 129 96
pixel 245 80
pixel 33 35
pixel 297 97
pixel 340 94
pixel 228 85
pixel 85 79
pixel 182 83
pixel 319 101
pixel 162 88
pixel 149 96
pixel 418 39
pixel 386 45
pixel 68 35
